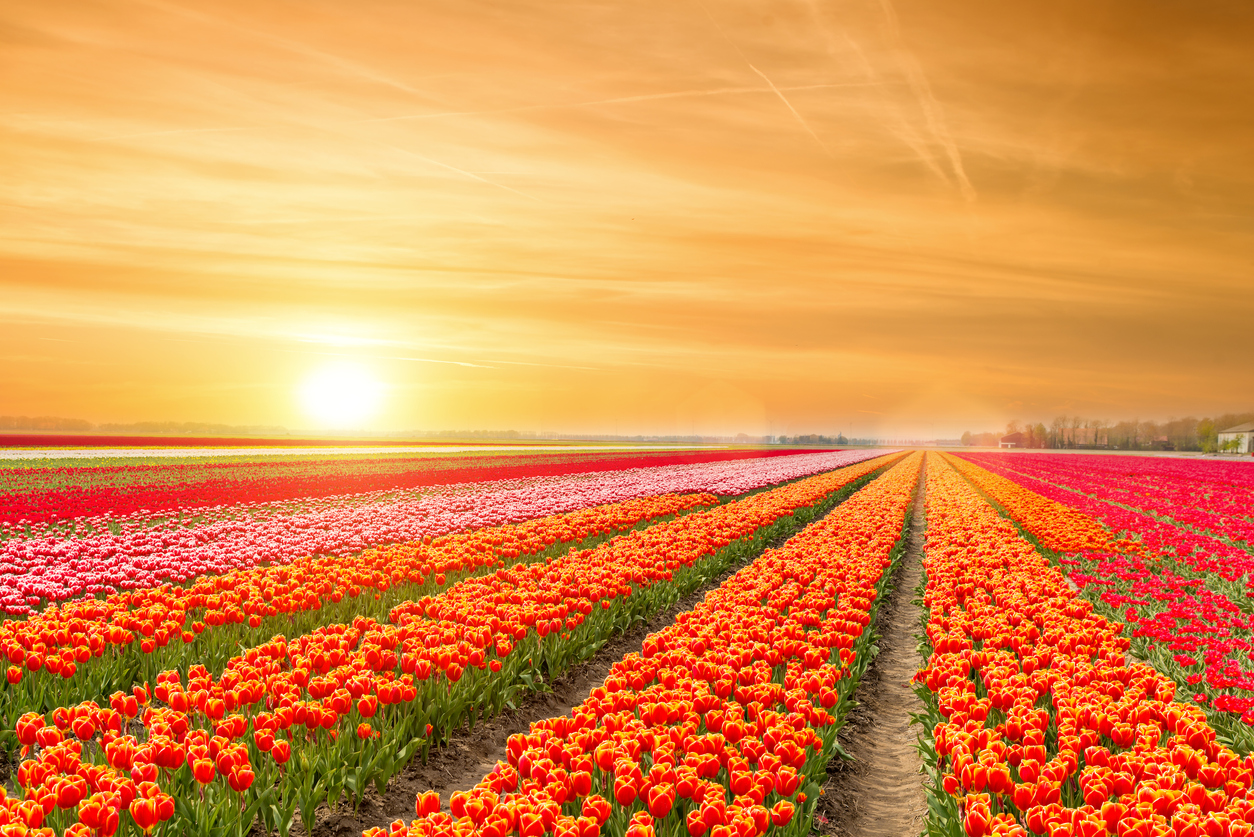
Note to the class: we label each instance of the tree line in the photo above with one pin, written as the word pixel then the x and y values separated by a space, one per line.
pixel 1076 432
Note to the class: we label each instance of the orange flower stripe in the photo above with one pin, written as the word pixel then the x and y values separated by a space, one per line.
pixel 1054 525
pixel 1039 724
pixel 305 698
pixel 720 721
pixel 62 638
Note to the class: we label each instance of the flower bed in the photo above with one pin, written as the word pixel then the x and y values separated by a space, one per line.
pixel 1191 623
pixel 1037 722
pixel 295 723
pixel 726 720
pixel 88 648
pixel 38 570
pixel 1216 498
pixel 47 497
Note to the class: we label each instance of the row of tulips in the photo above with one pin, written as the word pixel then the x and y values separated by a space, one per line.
pixel 1192 626
pixel 1036 721
pixel 1192 550
pixel 86 648
pixel 725 721
pixel 295 723
pixel 1216 498
pixel 47 497
pixel 37 570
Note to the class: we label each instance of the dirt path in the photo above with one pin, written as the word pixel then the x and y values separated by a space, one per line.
pixel 880 793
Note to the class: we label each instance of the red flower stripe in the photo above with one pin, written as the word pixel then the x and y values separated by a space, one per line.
pixel 350 703
pixel 1038 722
pixel 58 494
pixel 1215 497
pixel 725 719
pixel 1195 550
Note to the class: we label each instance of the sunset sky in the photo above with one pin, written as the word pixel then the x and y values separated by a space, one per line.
pixel 711 216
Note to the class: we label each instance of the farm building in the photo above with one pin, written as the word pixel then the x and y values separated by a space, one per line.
pixel 1014 440
pixel 1243 434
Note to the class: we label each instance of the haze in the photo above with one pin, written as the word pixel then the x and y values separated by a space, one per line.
pixel 692 216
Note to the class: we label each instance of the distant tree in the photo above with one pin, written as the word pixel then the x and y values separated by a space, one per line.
pixel 1207 435
pixel 1101 432
pixel 1013 427
pixel 1182 433
pixel 966 437
pixel 1041 435
pixel 1056 428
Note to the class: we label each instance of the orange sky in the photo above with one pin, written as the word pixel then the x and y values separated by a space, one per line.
pixel 698 215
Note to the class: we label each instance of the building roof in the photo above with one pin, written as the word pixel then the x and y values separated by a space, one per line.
pixel 1240 428
pixel 1013 437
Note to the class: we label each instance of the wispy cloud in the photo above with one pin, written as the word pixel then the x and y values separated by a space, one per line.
pixel 928 103
pixel 600 208
pixel 805 125
pixel 621 100
pixel 462 172
pixel 172 132
pixel 349 67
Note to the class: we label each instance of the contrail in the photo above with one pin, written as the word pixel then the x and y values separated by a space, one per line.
pixel 897 123
pixel 546 365
pixel 929 104
pixel 350 67
pixel 471 175
pixel 644 97
pixel 167 133
pixel 788 105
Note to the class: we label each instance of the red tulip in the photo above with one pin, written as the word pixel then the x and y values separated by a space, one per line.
pixel 660 801
pixel 241 778
pixel 782 813
pixel 428 803
pixel 625 791
pixel 203 771
pixel 144 812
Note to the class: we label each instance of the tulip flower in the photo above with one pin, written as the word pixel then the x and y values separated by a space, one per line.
pixel 428 803
pixel 281 752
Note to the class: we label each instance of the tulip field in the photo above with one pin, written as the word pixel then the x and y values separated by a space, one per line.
pixel 228 649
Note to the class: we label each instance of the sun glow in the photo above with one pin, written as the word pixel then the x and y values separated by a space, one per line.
pixel 341 395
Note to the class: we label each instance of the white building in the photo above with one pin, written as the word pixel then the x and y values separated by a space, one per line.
pixel 1243 433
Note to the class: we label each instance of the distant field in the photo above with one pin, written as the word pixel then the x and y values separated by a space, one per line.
pixel 41 491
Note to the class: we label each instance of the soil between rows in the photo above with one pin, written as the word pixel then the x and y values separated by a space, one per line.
pixel 880 793
pixel 467 756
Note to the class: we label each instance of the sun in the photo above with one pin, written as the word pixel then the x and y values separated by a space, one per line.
pixel 341 395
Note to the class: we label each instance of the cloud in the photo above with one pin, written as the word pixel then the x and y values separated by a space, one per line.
pixel 574 216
